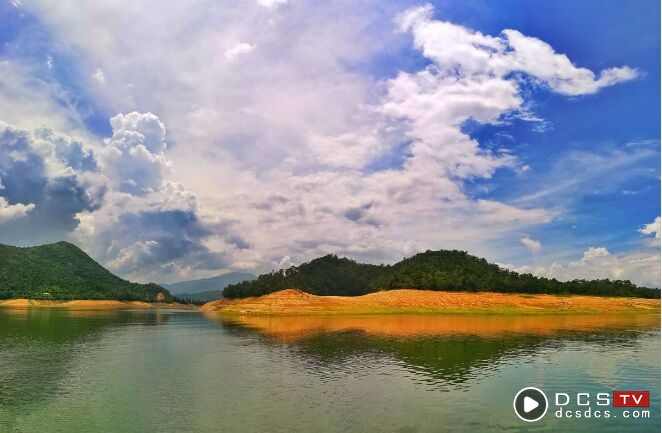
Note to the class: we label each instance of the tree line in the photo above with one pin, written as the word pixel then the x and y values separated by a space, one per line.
pixel 444 270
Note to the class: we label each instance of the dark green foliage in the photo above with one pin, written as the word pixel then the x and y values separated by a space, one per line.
pixel 328 275
pixel 432 270
pixel 63 271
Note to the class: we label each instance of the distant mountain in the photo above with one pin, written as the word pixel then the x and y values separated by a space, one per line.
pixel 432 270
pixel 200 297
pixel 63 271
pixel 185 289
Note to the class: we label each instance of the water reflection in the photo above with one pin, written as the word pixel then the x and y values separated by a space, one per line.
pixel 37 346
pixel 166 371
pixel 292 328
pixel 442 351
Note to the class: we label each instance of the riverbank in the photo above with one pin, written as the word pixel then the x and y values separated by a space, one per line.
pixel 87 304
pixel 296 302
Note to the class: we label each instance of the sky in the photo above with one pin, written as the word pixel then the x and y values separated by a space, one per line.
pixel 180 140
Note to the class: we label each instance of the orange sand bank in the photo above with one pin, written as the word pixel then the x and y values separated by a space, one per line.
pixel 296 302
pixel 85 304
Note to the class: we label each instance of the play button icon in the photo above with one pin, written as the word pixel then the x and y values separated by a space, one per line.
pixel 530 404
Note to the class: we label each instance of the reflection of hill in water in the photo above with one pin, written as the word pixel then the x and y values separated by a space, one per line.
pixel 447 350
pixel 39 346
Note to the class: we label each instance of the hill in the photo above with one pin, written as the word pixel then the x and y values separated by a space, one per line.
pixel 442 270
pixel 62 271
pixel 217 283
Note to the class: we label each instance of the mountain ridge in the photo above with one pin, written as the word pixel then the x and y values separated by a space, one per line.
pixel 63 271
pixel 443 270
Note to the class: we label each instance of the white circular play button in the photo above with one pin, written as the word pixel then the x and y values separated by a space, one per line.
pixel 530 404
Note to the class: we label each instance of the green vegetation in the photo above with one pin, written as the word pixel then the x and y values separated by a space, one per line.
pixel 62 271
pixel 432 270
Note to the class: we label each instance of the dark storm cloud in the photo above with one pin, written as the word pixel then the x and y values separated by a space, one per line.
pixel 57 197
pixel 158 238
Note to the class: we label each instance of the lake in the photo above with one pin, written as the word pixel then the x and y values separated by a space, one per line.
pixel 184 371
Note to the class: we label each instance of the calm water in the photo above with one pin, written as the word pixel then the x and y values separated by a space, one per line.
pixel 177 371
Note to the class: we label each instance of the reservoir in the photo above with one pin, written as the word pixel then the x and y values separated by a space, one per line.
pixel 185 371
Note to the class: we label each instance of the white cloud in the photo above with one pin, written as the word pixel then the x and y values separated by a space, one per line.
pixel 149 226
pixel 461 51
pixel 284 150
pixel 652 228
pixel 531 244
pixel 238 50
pixel 98 76
pixel 133 158
pixel 9 212
pixel 537 58
pixel 639 266
pixel 271 3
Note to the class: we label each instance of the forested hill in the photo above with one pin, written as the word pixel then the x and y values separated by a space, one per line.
pixel 431 270
pixel 63 271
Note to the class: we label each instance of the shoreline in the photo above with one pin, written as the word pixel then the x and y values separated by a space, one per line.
pixel 293 302
pixel 88 304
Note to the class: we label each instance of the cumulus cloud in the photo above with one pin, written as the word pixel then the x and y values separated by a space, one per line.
pixel 113 198
pixel 295 150
pixel 639 266
pixel 652 228
pixel 149 226
pixel 133 156
pixel 537 58
pixel 9 212
pixel 45 178
pixel 531 244
pixel 461 51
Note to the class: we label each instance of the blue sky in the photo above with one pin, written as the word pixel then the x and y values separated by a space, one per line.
pixel 256 135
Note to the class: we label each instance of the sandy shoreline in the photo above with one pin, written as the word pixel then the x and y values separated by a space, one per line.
pixel 295 302
pixel 88 304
